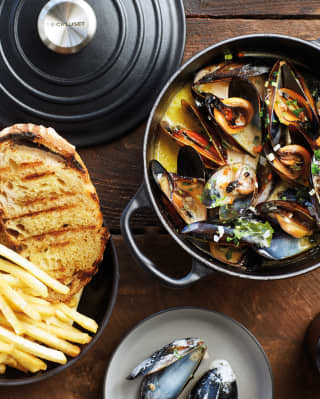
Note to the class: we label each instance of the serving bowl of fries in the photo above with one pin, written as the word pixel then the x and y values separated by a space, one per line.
pixel 38 339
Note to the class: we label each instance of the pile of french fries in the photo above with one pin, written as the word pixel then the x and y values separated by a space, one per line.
pixel 31 328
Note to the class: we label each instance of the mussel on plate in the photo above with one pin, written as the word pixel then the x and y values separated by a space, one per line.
pixel 217 383
pixel 167 371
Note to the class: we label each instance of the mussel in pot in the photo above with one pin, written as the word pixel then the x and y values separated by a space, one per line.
pixel 200 143
pixel 291 162
pixel 241 232
pixel 293 218
pixel 232 188
pixel 228 254
pixel 290 103
pixel 261 178
pixel 184 193
pixel 238 116
pixel 217 383
pixel 167 371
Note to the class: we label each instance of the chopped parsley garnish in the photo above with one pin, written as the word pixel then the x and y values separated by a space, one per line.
pixel 315 169
pixel 298 111
pixel 317 155
pixel 259 233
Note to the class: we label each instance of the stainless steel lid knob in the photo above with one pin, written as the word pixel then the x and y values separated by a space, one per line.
pixel 66 26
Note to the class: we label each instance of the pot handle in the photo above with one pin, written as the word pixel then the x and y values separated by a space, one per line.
pixel 141 200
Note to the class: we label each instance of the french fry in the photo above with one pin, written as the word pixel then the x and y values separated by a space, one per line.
pixel 12 281
pixel 42 306
pixel 10 316
pixel 32 347
pixel 83 321
pixel 70 334
pixel 33 269
pixel 63 331
pixel 51 340
pixel 29 362
pixel 27 278
pixel 10 361
pixel 3 368
pixel 6 348
pixel 3 357
pixel 19 301
pixel 62 317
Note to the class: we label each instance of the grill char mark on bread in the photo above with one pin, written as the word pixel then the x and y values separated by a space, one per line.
pixel 49 208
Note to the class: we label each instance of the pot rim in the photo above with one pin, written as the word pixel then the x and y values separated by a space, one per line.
pixel 187 248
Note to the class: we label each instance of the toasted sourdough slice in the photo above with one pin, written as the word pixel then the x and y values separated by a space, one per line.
pixel 49 208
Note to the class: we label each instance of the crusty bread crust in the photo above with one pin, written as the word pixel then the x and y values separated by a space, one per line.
pixel 56 216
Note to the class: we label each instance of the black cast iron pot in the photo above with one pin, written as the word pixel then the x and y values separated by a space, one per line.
pixel 301 51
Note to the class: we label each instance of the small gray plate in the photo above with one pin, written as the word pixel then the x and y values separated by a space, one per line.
pixel 226 339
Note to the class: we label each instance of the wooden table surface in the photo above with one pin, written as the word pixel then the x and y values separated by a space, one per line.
pixel 277 312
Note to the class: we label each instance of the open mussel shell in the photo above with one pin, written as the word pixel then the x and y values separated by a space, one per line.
pixel 234 185
pixel 315 184
pixel 289 102
pixel 212 133
pixel 249 138
pixel 241 232
pixel 290 162
pixel 201 144
pixel 228 254
pixel 190 163
pixel 228 70
pixel 166 356
pixel 217 383
pixel 183 193
pixel 238 116
pixel 293 218
pixel 171 380
pixel 266 181
pixel 284 246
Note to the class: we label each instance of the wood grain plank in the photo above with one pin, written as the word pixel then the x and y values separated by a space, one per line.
pixel 277 313
pixel 252 8
pixel 116 168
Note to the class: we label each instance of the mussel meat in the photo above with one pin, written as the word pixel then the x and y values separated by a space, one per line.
pixel 291 162
pixel 290 103
pixel 184 193
pixel 238 116
pixel 293 218
pixel 228 254
pixel 201 144
pixel 217 383
pixel 211 133
pixel 229 183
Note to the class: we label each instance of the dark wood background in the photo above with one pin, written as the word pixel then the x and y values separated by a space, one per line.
pixel 277 313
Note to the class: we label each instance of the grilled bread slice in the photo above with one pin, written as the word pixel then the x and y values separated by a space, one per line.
pixel 49 208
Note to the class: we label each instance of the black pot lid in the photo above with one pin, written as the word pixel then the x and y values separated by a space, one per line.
pixel 101 91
